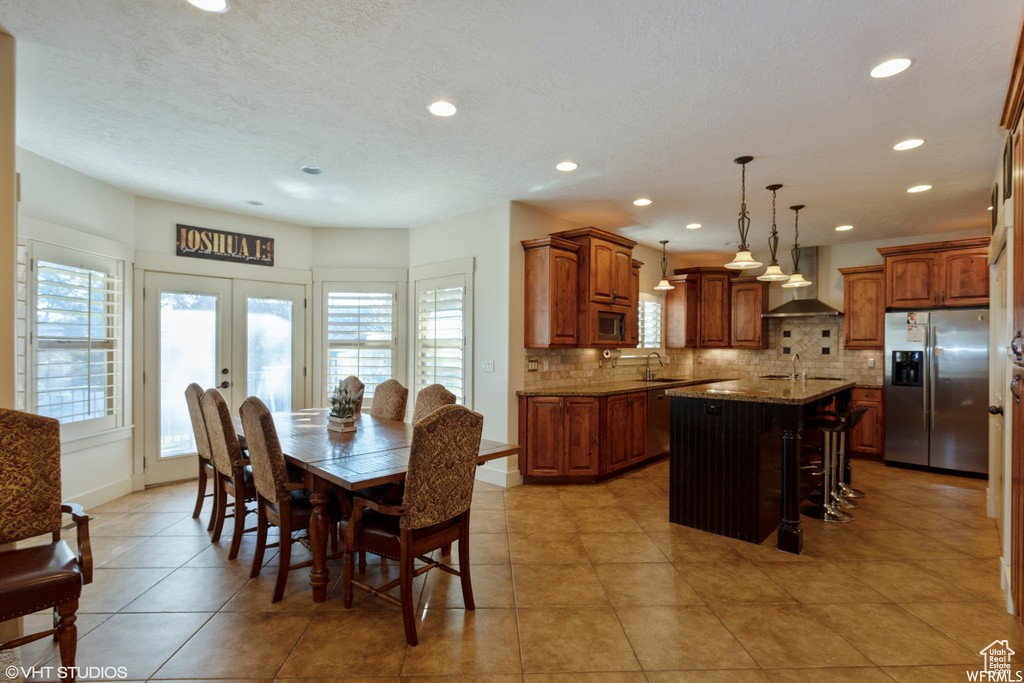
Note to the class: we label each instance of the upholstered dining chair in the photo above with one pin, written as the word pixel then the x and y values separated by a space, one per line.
pixel 355 386
pixel 234 477
pixel 280 499
pixel 389 400
pixel 193 393
pixel 434 511
pixel 430 399
pixel 48 575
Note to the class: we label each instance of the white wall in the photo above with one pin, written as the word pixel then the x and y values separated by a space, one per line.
pixel 359 248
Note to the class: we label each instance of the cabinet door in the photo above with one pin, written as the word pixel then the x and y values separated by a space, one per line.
pixel 714 310
pixel 616 427
pixel 1016 405
pixel 544 436
pixel 602 271
pixel 565 319
pixel 964 278
pixel 636 426
pixel 748 304
pixel 864 317
pixel 910 281
pixel 682 307
pixel 1018 240
pixel 582 416
pixel 868 435
pixel 622 282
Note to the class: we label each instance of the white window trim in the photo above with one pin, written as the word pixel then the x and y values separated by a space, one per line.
pixel 638 355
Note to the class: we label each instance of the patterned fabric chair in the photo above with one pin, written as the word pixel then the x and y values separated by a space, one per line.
pixel 434 511
pixel 48 575
pixel 355 385
pixel 389 401
pixel 234 476
pixel 193 393
pixel 430 399
pixel 280 500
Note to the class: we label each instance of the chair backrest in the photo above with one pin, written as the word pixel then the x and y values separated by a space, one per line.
pixel 221 430
pixel 389 400
pixel 355 385
pixel 430 399
pixel 30 494
pixel 442 466
pixel 269 471
pixel 193 394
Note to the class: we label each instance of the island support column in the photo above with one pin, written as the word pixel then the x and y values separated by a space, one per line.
pixel 791 538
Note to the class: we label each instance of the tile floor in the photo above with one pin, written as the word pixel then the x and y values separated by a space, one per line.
pixel 571 583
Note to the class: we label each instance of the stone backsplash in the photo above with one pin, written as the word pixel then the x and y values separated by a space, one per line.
pixel 817 340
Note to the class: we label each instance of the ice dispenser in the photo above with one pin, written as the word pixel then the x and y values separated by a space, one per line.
pixel 907 368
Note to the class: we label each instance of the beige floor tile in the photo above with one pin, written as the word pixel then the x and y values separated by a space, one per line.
pixel 256 594
pixel 455 641
pixel 903 581
pixel 845 546
pixel 597 496
pixel 540 521
pixel 483 521
pixel 697 676
pixel 580 639
pixel 172 551
pixel 374 645
pixel 921 518
pixel 376 576
pixel 768 551
pixel 43 650
pixel 488 500
pixel 234 680
pixel 105 548
pixel 557 585
pixel 548 548
pixel 136 524
pixel 621 547
pixel 492 588
pixel 532 497
pixel 682 637
pixel 180 501
pixel 890 636
pixel 818 582
pixel 190 527
pixel 972 624
pixel 491 678
pixel 191 590
pixel 242 645
pixel 112 589
pixel 651 521
pixel 603 520
pixel 484 549
pixel 844 675
pixel 981 543
pixel 964 496
pixel 731 582
pixel 601 677
pixel 970 516
pixel 690 545
pixel 931 674
pixel 979 577
pixel 216 554
pixel 788 636
pixel 651 583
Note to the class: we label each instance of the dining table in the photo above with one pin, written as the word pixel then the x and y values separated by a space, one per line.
pixel 377 452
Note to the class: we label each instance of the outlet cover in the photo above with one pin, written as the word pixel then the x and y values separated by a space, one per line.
pixel 488 366
pixel 531 365
pixel 871 362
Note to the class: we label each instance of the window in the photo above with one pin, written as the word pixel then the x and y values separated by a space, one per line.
pixel 652 309
pixel 76 362
pixel 440 356
pixel 361 336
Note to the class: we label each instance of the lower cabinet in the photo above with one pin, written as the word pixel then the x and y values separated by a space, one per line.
pixel 624 430
pixel 868 435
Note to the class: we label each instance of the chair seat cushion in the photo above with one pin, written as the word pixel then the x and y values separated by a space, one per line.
pixel 379 533
pixel 36 578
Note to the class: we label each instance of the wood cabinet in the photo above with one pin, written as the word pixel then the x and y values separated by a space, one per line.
pixel 707 323
pixel 624 421
pixel 864 307
pixel 868 435
pixel 748 328
pixel 562 435
pixel 633 321
pixel 940 274
pixel 682 307
pixel 552 273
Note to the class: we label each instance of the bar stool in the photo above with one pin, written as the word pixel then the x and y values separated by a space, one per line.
pixel 851 418
pixel 832 504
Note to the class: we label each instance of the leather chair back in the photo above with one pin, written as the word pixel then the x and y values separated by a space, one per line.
pixel 30 494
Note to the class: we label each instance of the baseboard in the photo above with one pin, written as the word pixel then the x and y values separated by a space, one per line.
pixel 502 472
pixel 103 494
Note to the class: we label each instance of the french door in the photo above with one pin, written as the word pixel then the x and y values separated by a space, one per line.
pixel 245 338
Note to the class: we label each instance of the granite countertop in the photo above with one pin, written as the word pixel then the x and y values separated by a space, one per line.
pixel 869 385
pixel 620 387
pixel 764 390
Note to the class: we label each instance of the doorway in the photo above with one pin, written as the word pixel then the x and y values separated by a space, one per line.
pixel 244 337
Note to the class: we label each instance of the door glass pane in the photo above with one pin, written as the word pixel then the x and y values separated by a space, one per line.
pixel 269 351
pixel 188 353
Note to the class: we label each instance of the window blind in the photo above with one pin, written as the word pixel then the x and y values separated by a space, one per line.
pixel 361 337
pixel 440 356
pixel 652 308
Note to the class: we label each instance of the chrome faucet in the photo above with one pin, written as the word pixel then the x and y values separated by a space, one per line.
pixel 648 375
pixel 792 374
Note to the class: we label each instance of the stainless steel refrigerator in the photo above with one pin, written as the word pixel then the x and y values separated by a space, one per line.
pixel 936 389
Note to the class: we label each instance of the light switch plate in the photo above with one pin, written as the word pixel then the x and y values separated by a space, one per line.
pixel 531 365
pixel 488 366
pixel 871 362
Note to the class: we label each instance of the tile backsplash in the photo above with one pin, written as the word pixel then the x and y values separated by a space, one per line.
pixel 817 340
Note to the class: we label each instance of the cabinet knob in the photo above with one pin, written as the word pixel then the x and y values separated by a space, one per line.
pixel 1013 386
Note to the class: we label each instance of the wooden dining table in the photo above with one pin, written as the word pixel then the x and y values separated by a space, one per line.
pixel 376 453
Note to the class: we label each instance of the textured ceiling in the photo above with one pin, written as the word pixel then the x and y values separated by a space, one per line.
pixel 652 98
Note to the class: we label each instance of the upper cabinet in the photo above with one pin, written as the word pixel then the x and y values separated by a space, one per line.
pixel 698 309
pixel 749 302
pixel 940 274
pixel 864 307
pixel 552 287
pixel 682 306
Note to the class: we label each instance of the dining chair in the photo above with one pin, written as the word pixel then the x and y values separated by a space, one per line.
pixel 430 399
pixel 355 388
pixel 434 511
pixel 281 500
pixel 43 576
pixel 234 476
pixel 193 393
pixel 389 400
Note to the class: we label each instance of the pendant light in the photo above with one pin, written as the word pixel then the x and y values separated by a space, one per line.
pixel 773 273
pixel 796 279
pixel 664 284
pixel 743 259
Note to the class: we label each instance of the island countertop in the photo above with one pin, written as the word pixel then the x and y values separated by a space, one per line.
pixel 757 390
pixel 612 388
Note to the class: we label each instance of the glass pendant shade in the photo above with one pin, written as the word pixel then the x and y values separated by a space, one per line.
pixel 773 273
pixel 664 284
pixel 744 259
pixel 796 280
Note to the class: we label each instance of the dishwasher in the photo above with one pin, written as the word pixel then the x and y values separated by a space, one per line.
pixel 658 427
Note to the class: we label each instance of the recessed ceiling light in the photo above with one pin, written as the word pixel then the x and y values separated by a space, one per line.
pixel 567 166
pixel 442 108
pixel 642 202
pixel 217 6
pixel 919 188
pixel 312 170
pixel 253 202
pixel 891 68
pixel 843 228
pixel 907 144
pixel 693 226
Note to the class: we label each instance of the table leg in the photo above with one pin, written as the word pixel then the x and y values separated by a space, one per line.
pixel 319 574
pixel 790 535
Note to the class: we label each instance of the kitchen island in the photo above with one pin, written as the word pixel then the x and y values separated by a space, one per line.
pixel 735 455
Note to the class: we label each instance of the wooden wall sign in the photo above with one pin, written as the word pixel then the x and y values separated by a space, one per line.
pixel 223 246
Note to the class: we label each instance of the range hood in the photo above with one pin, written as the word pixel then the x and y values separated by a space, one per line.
pixel 804 301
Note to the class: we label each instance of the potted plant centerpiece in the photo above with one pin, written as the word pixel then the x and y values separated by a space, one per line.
pixel 343 409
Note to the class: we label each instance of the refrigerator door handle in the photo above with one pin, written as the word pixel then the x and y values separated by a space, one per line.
pixel 929 377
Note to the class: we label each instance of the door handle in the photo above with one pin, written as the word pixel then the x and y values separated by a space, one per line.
pixel 225 384
pixel 1013 386
pixel 995 410
pixel 1015 346
pixel 943 300
pixel 935 297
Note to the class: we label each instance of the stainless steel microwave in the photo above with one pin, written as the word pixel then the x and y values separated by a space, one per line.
pixel 611 326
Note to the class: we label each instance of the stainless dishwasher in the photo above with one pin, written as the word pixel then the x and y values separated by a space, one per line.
pixel 658 431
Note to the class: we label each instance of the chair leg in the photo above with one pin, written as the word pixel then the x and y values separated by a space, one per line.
pixel 202 489
pixel 467 584
pixel 362 560
pixel 220 504
pixel 405 582
pixel 346 577
pixel 236 537
pixel 446 549
pixel 213 510
pixel 284 557
pixel 261 538
pixel 67 634
pixel 334 538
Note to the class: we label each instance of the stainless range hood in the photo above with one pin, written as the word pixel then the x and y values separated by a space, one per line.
pixel 804 301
